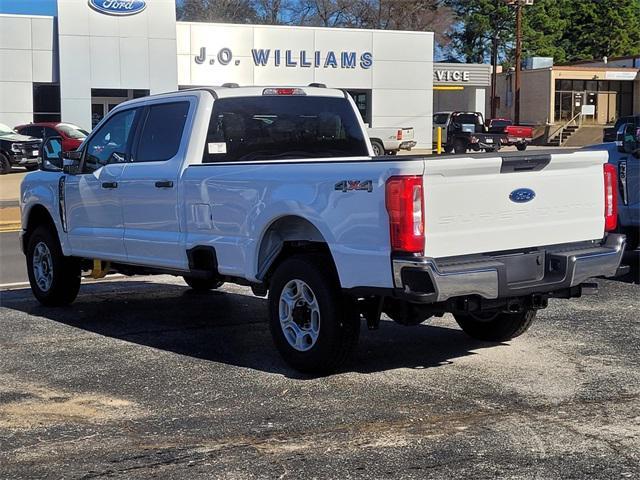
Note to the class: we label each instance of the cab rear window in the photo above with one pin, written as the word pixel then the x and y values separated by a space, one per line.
pixel 282 127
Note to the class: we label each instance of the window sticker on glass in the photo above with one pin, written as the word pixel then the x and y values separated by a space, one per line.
pixel 217 147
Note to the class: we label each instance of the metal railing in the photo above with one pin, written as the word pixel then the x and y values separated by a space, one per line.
pixel 577 118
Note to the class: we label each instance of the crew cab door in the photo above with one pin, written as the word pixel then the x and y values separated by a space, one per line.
pixel 92 197
pixel 150 185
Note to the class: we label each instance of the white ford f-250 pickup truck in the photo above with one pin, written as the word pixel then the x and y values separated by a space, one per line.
pixel 277 189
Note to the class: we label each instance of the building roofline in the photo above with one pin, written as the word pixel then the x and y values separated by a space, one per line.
pixel 307 27
pixel 593 67
pixel 609 59
pixel 26 15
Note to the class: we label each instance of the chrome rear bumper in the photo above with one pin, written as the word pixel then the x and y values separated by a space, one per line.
pixel 502 276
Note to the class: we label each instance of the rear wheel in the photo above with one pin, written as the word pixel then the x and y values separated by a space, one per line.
pixel 313 326
pixel 459 146
pixel 495 148
pixel 521 146
pixel 5 164
pixel 378 148
pixel 202 284
pixel 497 327
pixel 54 278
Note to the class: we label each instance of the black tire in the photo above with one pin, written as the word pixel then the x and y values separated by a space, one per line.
pixel 448 148
pixel 65 271
pixel 202 284
pixel 499 328
pixel 338 322
pixel 31 168
pixel 391 152
pixel 5 164
pixel 378 148
pixel 521 146
pixel 459 147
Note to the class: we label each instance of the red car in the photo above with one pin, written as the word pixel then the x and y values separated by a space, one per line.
pixel 517 135
pixel 72 135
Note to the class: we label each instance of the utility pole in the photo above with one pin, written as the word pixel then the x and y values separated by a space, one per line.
pixel 494 73
pixel 516 113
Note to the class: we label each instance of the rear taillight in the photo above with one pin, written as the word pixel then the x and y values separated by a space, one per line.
pixel 399 135
pixel 610 198
pixel 405 205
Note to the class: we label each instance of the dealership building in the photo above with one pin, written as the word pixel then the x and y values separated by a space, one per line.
pixel 77 65
pixel 554 94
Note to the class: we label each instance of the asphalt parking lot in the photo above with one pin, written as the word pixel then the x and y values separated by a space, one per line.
pixel 142 378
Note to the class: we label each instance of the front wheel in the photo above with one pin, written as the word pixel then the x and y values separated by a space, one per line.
pixel 497 327
pixel 521 146
pixel 54 278
pixel 313 326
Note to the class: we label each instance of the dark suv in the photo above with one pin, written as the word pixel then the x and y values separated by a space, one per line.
pixel 16 149
pixel 610 133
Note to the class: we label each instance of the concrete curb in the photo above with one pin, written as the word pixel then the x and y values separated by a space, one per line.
pixel 10 227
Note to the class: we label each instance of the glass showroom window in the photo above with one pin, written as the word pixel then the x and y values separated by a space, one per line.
pixel 46 102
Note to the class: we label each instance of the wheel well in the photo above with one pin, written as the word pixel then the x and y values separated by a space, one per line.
pixel 38 216
pixel 287 236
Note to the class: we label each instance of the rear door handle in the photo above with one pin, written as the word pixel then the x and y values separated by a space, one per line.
pixel 109 184
pixel 164 184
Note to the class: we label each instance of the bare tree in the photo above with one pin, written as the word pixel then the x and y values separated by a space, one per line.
pixel 234 11
pixel 420 15
pixel 270 11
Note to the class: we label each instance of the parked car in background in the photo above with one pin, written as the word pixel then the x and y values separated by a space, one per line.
pixel 389 140
pixel 517 135
pixel 610 133
pixel 625 158
pixel 72 135
pixel 627 161
pixel 276 188
pixel 463 131
pixel 19 150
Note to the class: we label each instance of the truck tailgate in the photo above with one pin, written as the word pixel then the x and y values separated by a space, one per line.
pixel 471 204
pixel 519 131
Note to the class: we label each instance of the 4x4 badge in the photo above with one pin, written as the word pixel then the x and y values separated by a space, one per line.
pixel 353 185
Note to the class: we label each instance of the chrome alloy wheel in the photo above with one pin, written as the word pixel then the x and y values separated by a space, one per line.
pixel 43 266
pixel 299 315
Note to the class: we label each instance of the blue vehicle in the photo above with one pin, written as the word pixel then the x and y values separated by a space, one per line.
pixel 625 155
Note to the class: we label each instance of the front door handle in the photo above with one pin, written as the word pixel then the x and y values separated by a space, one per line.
pixel 164 184
pixel 109 184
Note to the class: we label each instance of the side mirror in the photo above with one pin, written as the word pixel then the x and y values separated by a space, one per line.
pixel 51 155
pixel 631 139
pixel 71 162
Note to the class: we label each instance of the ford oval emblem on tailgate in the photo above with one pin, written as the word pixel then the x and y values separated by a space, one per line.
pixel 118 7
pixel 522 195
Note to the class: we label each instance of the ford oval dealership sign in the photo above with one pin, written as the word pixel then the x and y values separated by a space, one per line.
pixel 118 7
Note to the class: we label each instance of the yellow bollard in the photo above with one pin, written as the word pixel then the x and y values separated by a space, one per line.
pixel 439 142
